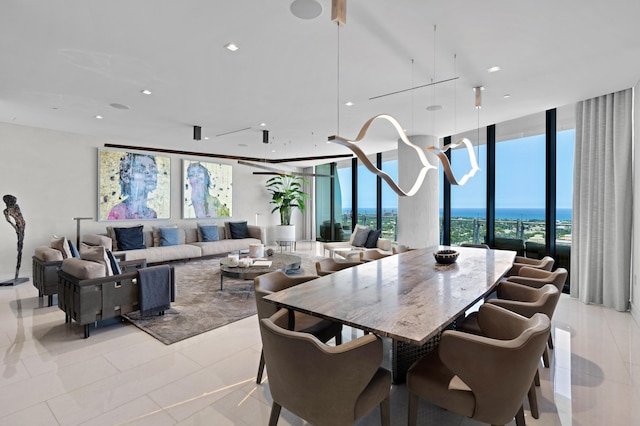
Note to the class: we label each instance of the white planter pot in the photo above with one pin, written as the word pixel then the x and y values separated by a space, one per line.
pixel 284 233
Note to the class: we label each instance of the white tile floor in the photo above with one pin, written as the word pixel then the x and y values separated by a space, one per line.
pixel 121 375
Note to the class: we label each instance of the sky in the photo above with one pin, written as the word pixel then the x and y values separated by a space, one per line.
pixel 520 176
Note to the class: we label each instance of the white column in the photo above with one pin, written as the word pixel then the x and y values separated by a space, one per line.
pixel 418 217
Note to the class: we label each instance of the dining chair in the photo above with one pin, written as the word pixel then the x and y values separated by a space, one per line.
pixel 273 282
pixel 483 246
pixel 485 377
pixel 324 385
pixel 329 266
pixel 372 254
pixel 537 278
pixel 525 301
pixel 546 264
pixel 400 248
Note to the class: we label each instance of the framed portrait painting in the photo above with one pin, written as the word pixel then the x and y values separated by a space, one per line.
pixel 206 190
pixel 133 186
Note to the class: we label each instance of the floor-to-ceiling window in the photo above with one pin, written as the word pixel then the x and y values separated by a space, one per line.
pixel 520 181
pixel 389 203
pixel 367 212
pixel 565 141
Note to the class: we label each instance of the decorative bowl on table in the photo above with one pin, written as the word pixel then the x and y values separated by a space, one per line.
pixel 446 257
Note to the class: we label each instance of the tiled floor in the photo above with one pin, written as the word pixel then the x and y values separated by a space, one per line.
pixel 120 375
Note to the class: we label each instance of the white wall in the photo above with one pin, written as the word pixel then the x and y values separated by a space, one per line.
pixel 635 266
pixel 54 177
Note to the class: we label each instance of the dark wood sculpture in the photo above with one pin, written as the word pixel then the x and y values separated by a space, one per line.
pixel 13 215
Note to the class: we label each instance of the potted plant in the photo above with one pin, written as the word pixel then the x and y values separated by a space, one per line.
pixel 287 194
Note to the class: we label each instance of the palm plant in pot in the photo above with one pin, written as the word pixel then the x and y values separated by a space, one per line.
pixel 287 194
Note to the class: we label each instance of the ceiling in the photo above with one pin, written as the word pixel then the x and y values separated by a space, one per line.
pixel 64 62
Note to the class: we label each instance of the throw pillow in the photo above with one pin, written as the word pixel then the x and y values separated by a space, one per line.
pixel 169 237
pixel 361 237
pixel 61 244
pixel 372 238
pixel 96 254
pixel 199 229
pixel 156 233
pixel 355 230
pixel 238 230
pixel 115 266
pixel 130 238
pixel 73 249
pixel 209 233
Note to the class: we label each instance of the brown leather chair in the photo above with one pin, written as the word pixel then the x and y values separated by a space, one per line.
pixel 546 264
pixel 372 254
pixel 272 282
pixel 482 246
pixel 329 266
pixel 485 377
pixel 324 385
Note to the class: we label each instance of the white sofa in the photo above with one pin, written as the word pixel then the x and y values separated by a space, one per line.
pixel 347 248
pixel 189 248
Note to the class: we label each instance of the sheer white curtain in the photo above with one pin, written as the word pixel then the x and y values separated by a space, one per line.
pixel 602 201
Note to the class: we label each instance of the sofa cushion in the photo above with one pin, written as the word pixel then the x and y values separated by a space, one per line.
pixel 169 237
pixel 129 238
pixel 48 254
pixel 209 233
pixel 372 238
pixel 61 244
pixel 238 230
pixel 97 254
pixel 361 237
pixel 83 269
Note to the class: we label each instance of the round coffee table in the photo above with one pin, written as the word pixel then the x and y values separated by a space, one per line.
pixel 279 262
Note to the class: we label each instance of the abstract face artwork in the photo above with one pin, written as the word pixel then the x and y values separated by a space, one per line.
pixel 206 190
pixel 134 186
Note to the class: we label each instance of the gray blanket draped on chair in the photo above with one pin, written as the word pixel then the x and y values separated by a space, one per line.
pixel 155 289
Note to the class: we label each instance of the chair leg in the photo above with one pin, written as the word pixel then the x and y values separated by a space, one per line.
pixel 536 378
pixel 413 409
pixel 275 413
pixel 260 368
pixel 520 417
pixel 385 412
pixel 339 338
pixel 533 401
pixel 550 341
pixel 545 357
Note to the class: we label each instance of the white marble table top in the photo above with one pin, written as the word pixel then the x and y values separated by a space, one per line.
pixel 408 296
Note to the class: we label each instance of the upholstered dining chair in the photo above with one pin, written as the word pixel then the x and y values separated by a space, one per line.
pixel 329 266
pixel 324 385
pixel 485 377
pixel 525 301
pixel 272 282
pixel 537 278
pixel 400 248
pixel 372 254
pixel 546 264
pixel 483 246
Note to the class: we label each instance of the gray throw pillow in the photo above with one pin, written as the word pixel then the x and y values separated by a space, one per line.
pixel 361 237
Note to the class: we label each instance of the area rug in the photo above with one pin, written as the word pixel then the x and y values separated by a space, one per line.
pixel 200 306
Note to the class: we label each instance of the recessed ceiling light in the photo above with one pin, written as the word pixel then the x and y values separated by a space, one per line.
pixel 99 117
pixel 242 144
pixel 349 103
pixel 273 150
pixel 145 92
pixel 206 138
pixel 306 9
pixel 434 107
pixel 494 69
pixel 231 47
pixel 119 106
pixel 507 96
pixel 263 124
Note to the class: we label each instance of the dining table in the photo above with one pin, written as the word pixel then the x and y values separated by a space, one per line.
pixel 407 297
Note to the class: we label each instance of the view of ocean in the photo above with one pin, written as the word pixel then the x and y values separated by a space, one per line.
pixel 563 215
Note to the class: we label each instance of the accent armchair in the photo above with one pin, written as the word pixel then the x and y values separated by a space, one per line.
pixel 546 264
pixel 329 265
pixel 324 385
